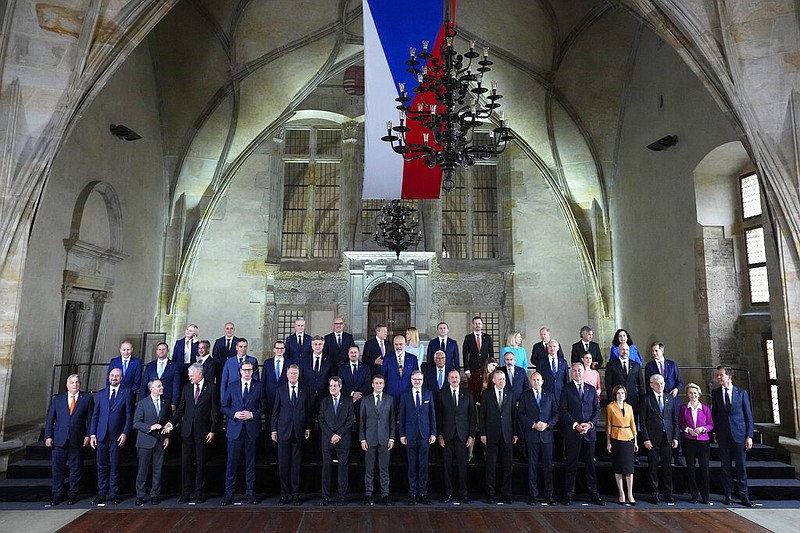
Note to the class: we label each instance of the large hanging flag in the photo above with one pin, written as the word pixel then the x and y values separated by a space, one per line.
pixel 391 28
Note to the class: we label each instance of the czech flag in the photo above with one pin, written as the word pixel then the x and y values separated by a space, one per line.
pixel 391 28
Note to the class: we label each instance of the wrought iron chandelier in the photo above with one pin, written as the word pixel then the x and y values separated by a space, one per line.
pixel 452 102
pixel 397 227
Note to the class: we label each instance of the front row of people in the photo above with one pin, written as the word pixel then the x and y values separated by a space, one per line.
pixel 419 421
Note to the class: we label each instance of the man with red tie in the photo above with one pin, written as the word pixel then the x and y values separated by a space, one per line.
pixel 477 348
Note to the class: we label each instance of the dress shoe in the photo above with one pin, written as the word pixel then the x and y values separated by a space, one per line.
pixel 550 501
pixel 253 499
pixel 424 500
pixel 368 500
pixel 705 501
pixel 296 500
pixel 98 500
pixel 283 500
pixel 568 500
pixel 155 501
pixel 465 500
pixel 227 500
pixel 72 501
pixel 340 502
pixel 728 500
pixel 533 501
pixel 412 501
pixel 139 501
pixel 200 498
pixel 323 502
pixel 597 500
pixel 678 462
pixel 654 499
pixel 387 501
pixel 57 500
pixel 693 500
pixel 183 499
pixel 490 501
pixel 448 498
pixel 115 500
pixel 747 503
pixel 507 500
pixel 669 499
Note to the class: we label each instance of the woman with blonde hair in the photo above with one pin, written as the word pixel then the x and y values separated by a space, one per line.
pixel 414 345
pixel 515 346
pixel 695 424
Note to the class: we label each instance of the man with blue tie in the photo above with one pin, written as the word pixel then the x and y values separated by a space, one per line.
pixel 659 433
pixel 66 432
pixel 291 425
pixel 166 371
pixel 417 429
pixel 446 345
pixel 733 425
pixel 230 372
pixel 243 404
pixel 298 344
pixel 579 411
pixel 436 375
pixel 538 415
pixel 672 381
pixel 108 432
pixel 554 370
pixel 273 375
pixel 131 367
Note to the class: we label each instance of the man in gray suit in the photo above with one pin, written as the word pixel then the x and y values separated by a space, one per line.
pixel 377 433
pixel 152 414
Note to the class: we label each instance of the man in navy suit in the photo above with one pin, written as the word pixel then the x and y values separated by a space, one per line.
pixel 554 370
pixel 659 435
pixel 397 369
pixel 314 374
pixel 66 432
pixel 130 366
pixel 166 371
pixel 335 428
pixel 733 424
pixel 447 345
pixel 184 353
pixel 243 404
pixel 198 411
pixel 587 345
pixel 375 349
pixel 230 372
pixel 298 344
pixel 356 381
pixel 579 411
pixel 108 432
pixel 628 373
pixel 225 346
pixel 498 428
pixel 455 421
pixel 436 375
pixel 152 414
pixel 539 350
pixel 417 429
pixel 477 348
pixel 538 415
pixel 516 377
pixel 337 343
pixel 672 381
pixel 273 374
pixel 291 424
pixel 210 371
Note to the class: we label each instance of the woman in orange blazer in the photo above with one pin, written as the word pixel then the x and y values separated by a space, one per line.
pixel 621 442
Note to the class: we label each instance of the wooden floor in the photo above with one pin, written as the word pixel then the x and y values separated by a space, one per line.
pixel 403 520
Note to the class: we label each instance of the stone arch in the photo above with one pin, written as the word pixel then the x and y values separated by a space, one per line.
pixel 113 211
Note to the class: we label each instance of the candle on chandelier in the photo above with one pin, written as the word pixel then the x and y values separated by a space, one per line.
pixel 413 53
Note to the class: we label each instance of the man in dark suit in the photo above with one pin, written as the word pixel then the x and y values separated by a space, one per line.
pixel 417 429
pixel 447 345
pixel 659 435
pixel 579 410
pixel 291 424
pixel 337 343
pixel 586 345
pixel 498 428
pixel 230 372
pixel 225 346
pixel 184 353
pixel 166 371
pixel 436 375
pixel 210 371
pixel 477 348
pixel 356 381
pixel 130 366
pixel 243 404
pixel 108 432
pixel 152 414
pixel 198 411
pixel 66 432
pixel 375 349
pixel 376 431
pixel 539 350
pixel 335 427
pixel 516 377
pixel 554 370
pixel 538 415
pixel 397 369
pixel 314 374
pixel 298 344
pixel 733 425
pixel 672 382
pixel 273 375
pixel 455 421
pixel 623 371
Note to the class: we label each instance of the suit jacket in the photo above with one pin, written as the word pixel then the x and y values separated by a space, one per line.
pixel 210 369
pixel 201 419
pixel 553 384
pixel 452 357
pixel 432 381
pixel 539 351
pixel 333 352
pixel 360 381
pixel 520 383
pixel 736 423
pixel 233 402
pixel 220 352
pixel 290 419
pixel 594 349
pixel 145 416
pixel 655 424
pixel 529 413
pixel 497 422
pixel 336 423
pixel 61 427
pixel 573 410
pixel 417 422
pixel 377 427
pixel 619 425
pixel 455 420
pixel 372 351
pixel 474 358
pixel 170 378
pixel 271 382
pixel 704 420
pixel 132 379
pixel 397 383
pixel 230 372
pixel 112 419
pixel 632 381
pixel 316 382
pixel 178 351
pixel 672 374
pixel 294 351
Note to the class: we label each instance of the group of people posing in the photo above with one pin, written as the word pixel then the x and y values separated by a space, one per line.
pixel 396 394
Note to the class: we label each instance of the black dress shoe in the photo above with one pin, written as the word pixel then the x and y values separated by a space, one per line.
pixel 155 501
pixel 507 500
pixel 296 500
pixel 597 500
pixel 550 501
pixel 424 500
pixel 72 501
pixel 728 500
pixel 98 500
pixel 448 498
pixel 490 501
pixel 678 462
pixel 183 499
pixel 253 499
pixel 200 498
pixel 412 501
pixel 227 500
pixel 323 502
pixel 387 501
pixel 533 501
pixel 368 500
pixel 465 500
pixel 568 500
pixel 283 500
pixel 705 501
pixel 693 500
pixel 340 502
pixel 669 499
pixel 654 499
pixel 57 500
pixel 747 503
pixel 115 500
pixel 139 501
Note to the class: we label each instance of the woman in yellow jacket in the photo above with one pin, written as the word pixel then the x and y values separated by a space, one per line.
pixel 621 442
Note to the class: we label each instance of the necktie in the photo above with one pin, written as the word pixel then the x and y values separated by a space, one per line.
pixel 553 365
pixel 300 341
pixel 585 347
pixel 246 394
pixel 354 370
pixel 278 371
pixel 196 392
pixel 338 340
pixel 378 402
pixel 383 349
pixel 728 399
pixel 580 391
pixel 400 363
pixel 160 368
pixel 478 340
pixel 113 396
pixel 241 360
pixel 294 395
pixel 335 405
pixel 625 367
pixel 71 404
pixel 316 365
pixel 661 367
pixel 510 377
pixel 124 368
pixel 500 399
pixel 538 398
pixel 157 403
pixel 661 403
pixel 455 398
pixel 441 377
pixel 419 402
pixel 444 344
pixel 228 344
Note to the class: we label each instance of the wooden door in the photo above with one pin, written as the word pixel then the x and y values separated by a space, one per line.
pixel 390 305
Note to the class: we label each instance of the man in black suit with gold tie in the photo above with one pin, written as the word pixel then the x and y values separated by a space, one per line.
pixel 455 420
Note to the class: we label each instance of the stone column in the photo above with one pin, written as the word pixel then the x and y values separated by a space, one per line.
pixel 350 184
